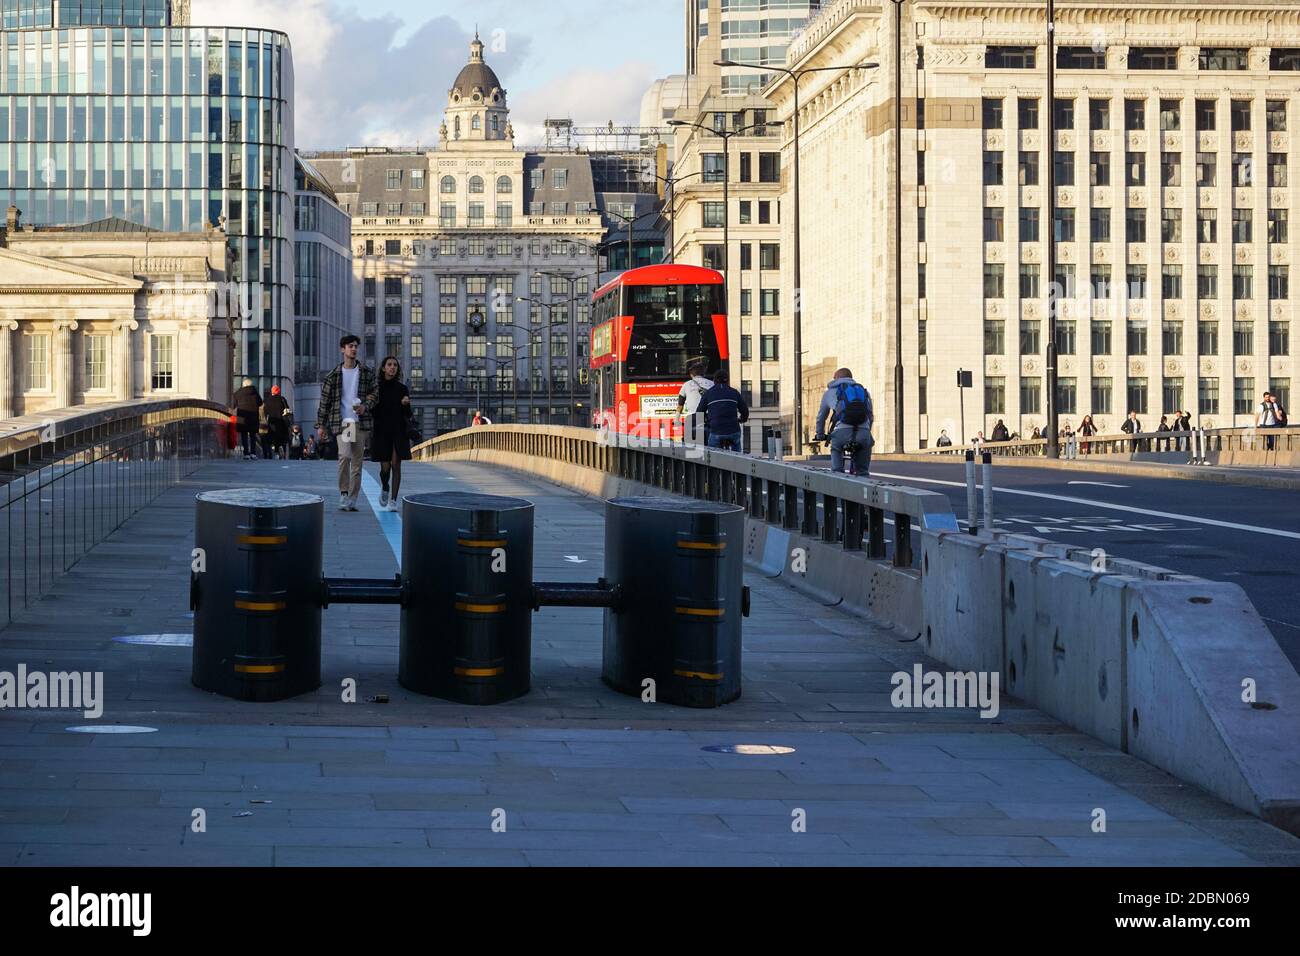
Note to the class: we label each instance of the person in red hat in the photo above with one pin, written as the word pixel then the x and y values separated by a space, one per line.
pixel 278 419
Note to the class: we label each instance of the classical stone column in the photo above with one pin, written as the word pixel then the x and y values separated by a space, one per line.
pixel 8 368
pixel 124 360
pixel 65 382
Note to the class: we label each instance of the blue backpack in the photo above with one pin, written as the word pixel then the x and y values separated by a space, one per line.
pixel 852 400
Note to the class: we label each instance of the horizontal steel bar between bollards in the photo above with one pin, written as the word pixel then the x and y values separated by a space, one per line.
pixel 566 594
pixel 362 591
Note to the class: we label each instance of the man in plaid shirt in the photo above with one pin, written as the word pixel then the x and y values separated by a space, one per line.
pixel 347 397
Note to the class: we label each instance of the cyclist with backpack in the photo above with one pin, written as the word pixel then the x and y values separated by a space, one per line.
pixel 848 406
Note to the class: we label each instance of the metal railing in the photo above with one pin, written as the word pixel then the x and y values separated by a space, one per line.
pixel 839 509
pixel 1207 441
pixel 73 476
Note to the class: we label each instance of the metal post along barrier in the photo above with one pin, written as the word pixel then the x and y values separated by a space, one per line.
pixel 988 492
pixel 972 500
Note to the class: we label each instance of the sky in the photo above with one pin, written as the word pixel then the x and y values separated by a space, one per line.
pixel 377 72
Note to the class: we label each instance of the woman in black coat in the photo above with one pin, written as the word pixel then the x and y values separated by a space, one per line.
pixel 389 441
pixel 247 404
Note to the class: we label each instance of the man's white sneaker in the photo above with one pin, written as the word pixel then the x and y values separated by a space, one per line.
pixel 343 502
pixel 352 504
pixel 393 505
pixel 383 498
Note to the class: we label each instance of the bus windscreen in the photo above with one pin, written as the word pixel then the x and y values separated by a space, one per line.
pixel 671 325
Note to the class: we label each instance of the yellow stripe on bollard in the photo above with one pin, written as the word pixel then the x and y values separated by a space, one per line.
pixel 702 545
pixel 259 668
pixel 480 608
pixel 478 671
pixel 263 539
pixel 701 611
pixel 260 605
pixel 700 675
pixel 473 543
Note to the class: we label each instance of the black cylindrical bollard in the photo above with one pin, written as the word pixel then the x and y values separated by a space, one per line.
pixel 467 561
pixel 680 567
pixel 255 589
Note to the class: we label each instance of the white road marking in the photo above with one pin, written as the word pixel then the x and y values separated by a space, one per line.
pixel 574 559
pixel 1099 484
pixel 1275 532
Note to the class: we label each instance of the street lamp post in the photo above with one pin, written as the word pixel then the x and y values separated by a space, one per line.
pixel 573 333
pixel 795 77
pixel 550 325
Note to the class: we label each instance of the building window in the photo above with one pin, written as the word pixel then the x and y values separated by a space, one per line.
pixel 920 224
pixel 1065 114
pixel 394 179
pixel 1135 114
pixel 1028 224
pixel 712 255
pixel 771 394
pixel 1243 169
pixel 1243 337
pixel 417 179
pixel 1099 169
pixel 1170 115
pixel 746 348
pixel 995 339
pixel 1207 338
pixel 1171 169
pixel 1099 114
pixel 1207 282
pixel 1031 396
pixel 769 167
pixel 1099 334
pixel 1239 115
pixel 1208 396
pixel 769 255
pixel 505 217
pixel 1207 226
pixel 992 112
pixel 1137 282
pixel 1153 58
pixel 1063 226
pixel 447 315
pixel 746 212
pixel 993 224
pixel 995 395
pixel 1279 338
pixel 920 280
pixel 1223 58
pixel 1279 283
pixel 1277 226
pixel 417 209
pixel 922 395
pixel 447 349
pixel 447 185
pixel 1171 282
pixel 559 179
pixel 1067 401
pixel 1099 226
pixel 1135 168
pixel 447 247
pixel 1243 222
pixel 1207 169
pixel 994 284
pixel 447 216
pixel 1243 396
pixel 713 214
pixel 1102 389
pixel 37 362
pixel 746 256
pixel 1137 336
pixel 1065 329
pixel 1275 113
pixel 713 172
pixel 1205 115
pixel 1029 280
pixel 1172 395
pixel 1171 340
pixel 1080 58
pixel 1137 395
pixel 1030 330
pixel 1028 169
pixel 96 363
pixel 993 168
pixel 770 301
pixel 1277 177
pixel 1243 282
pixel 162 362
pixel 770 351
pixel 1010 57
pixel 417 315
pixel 1281 389
pixel 1064 169
pixel 1100 280
pixel 746 301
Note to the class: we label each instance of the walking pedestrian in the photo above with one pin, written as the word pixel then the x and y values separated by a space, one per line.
pixel 278 416
pixel 246 404
pixel 296 444
pixel 1000 432
pixel 1132 427
pixel 1270 414
pixel 390 443
pixel 1087 429
pixel 346 399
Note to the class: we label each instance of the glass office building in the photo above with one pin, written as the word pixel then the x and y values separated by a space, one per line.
pixel 116 109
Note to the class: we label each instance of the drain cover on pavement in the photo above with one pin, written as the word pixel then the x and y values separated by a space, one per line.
pixel 748 749
pixel 112 729
pixel 158 640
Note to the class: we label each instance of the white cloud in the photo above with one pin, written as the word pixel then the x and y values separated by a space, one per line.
pixel 355 84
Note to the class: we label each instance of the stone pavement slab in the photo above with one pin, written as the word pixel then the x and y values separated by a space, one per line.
pixel 572 774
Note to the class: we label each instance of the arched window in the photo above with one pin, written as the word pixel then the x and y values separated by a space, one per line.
pixel 447 185
pixel 496 123
pixel 504 184
pixel 477 122
pixel 476 184
pixel 458 127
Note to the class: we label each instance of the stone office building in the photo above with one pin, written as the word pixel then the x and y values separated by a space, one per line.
pixel 474 263
pixel 1176 135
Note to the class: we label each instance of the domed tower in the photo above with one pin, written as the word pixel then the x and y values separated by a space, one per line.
pixel 476 105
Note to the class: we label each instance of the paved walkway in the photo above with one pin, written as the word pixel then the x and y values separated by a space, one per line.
pixel 582 774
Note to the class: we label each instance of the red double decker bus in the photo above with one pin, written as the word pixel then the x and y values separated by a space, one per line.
pixel 647 325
